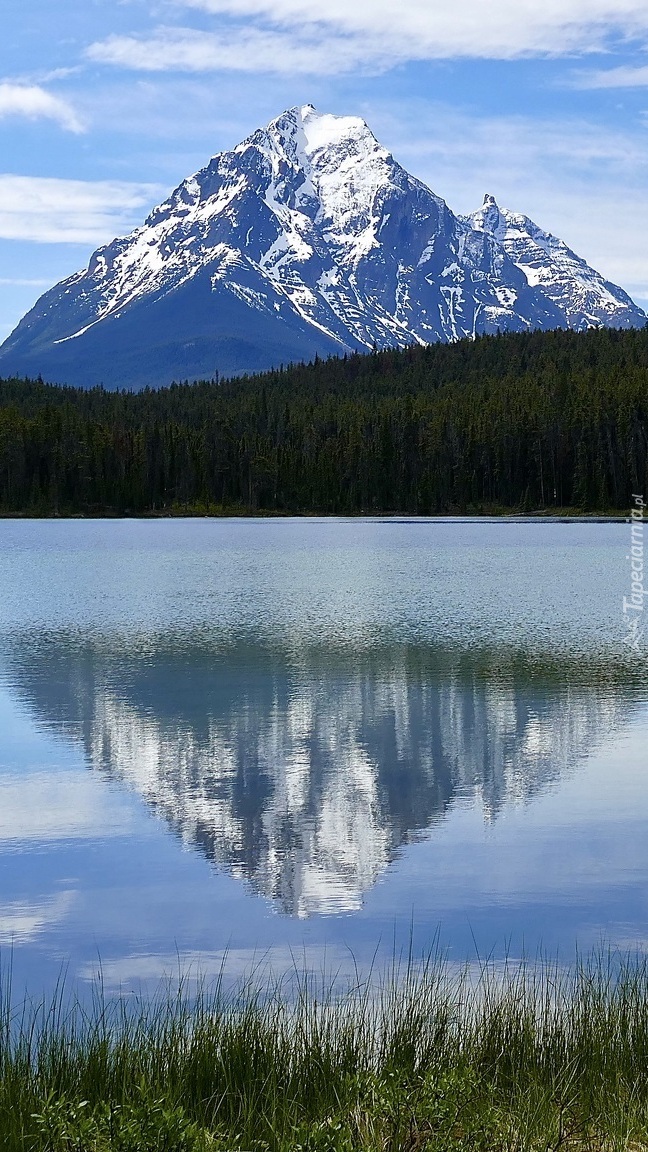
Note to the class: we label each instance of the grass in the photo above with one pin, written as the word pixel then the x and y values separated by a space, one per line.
pixel 524 1058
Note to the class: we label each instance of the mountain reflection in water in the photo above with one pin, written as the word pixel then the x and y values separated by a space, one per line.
pixel 304 772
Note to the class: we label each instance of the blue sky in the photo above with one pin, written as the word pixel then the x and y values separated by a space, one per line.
pixel 105 105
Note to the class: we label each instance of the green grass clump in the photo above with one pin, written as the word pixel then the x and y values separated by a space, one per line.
pixel 522 1058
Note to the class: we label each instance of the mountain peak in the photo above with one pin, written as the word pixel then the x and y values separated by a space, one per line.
pixel 306 238
pixel 308 136
pixel 489 218
pixel 580 293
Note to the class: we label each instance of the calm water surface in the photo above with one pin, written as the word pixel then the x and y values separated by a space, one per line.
pixel 311 739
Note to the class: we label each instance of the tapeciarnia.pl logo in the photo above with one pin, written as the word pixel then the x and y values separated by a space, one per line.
pixel 634 606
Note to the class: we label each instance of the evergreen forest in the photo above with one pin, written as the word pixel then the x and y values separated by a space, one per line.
pixel 533 422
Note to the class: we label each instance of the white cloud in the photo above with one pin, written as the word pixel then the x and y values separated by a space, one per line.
pixel 23 922
pixel 624 77
pixel 34 103
pixel 241 49
pixel 437 29
pixel 23 283
pixel 39 808
pixel 531 151
pixel 254 966
pixel 54 211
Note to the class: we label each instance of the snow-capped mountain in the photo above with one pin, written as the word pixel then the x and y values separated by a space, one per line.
pixel 308 238
pixel 584 297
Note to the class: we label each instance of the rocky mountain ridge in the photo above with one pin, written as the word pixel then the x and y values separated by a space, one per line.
pixel 307 239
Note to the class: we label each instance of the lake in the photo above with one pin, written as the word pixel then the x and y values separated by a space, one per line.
pixel 311 741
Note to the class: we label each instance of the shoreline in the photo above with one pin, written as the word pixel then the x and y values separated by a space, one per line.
pixel 525 1057
pixel 377 517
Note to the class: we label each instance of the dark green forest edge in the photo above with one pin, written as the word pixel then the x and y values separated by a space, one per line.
pixel 539 422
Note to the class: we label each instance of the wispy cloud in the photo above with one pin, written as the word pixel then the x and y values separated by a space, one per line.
pixel 23 922
pixel 253 50
pixel 385 32
pixel 536 149
pixel 33 102
pixel 229 964
pixel 21 282
pixel 627 76
pixel 54 211
pixel 37 807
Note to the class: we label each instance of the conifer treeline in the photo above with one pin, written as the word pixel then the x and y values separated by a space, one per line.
pixel 513 422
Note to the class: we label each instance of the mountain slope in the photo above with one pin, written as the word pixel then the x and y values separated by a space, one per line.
pixel 308 238
pixel 583 296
